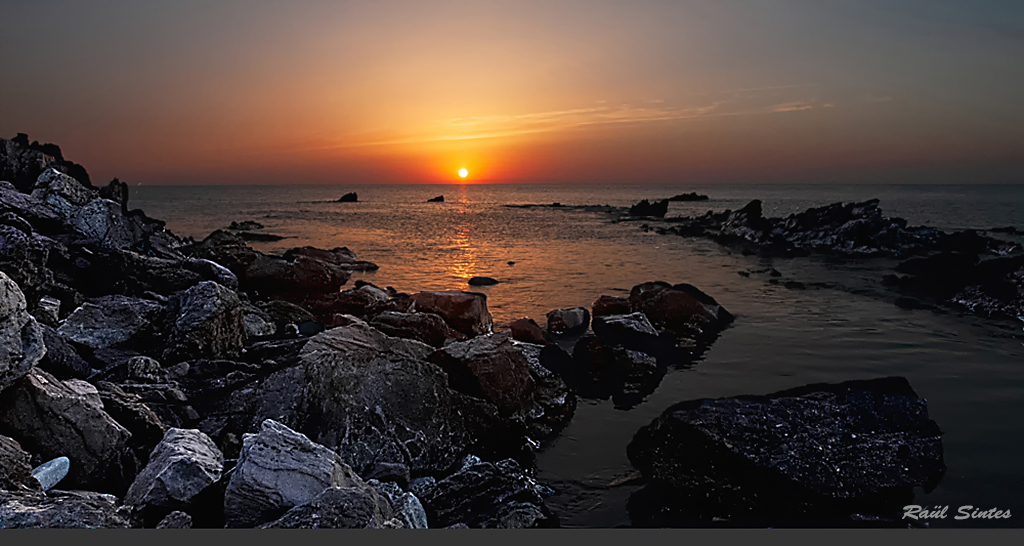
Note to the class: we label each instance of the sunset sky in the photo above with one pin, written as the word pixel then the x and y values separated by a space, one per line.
pixel 703 91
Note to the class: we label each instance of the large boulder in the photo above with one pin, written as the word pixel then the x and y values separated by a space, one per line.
pixel 101 222
pixel 528 331
pixel 60 510
pixel 15 467
pixel 24 257
pixel 183 464
pixel 632 331
pixel 376 398
pixel 426 327
pixel 491 368
pixel 488 495
pixel 56 418
pixel 269 276
pixel 280 469
pixel 463 311
pixel 207 321
pixel 62 359
pixel 358 507
pixel 21 337
pixel 63 194
pixel 358 302
pixel 682 308
pixel 610 305
pixel 36 212
pixel 821 449
pixel 553 402
pixel 129 410
pixel 113 321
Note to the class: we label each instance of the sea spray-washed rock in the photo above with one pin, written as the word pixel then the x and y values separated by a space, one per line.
pixel 376 399
pixel 60 510
pixel 488 495
pixel 821 450
pixel 22 345
pixel 56 418
pixel 181 466
pixel 280 469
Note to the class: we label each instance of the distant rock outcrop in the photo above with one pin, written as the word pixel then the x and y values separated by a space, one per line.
pixel 350 197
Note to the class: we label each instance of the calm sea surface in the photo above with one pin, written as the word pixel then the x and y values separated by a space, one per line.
pixel 971 370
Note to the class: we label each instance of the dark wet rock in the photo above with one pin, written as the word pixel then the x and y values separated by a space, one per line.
pixel 426 327
pixel 56 418
pixel 1005 229
pixel 310 328
pixel 60 510
pixel 632 331
pixel 390 472
pixel 22 343
pixel 62 193
pixel 15 467
pixel 24 258
pixel 491 368
pixel 375 398
pixel 482 281
pixel 604 371
pixel 132 413
pixel 339 256
pixel 359 302
pixel 20 164
pixel 692 196
pixel 176 520
pixel 350 197
pixel 646 208
pixel 283 312
pixel 488 495
pixel 114 271
pixel 181 466
pixel 280 469
pixel 293 280
pixel 463 311
pixel 563 322
pixel 553 402
pixel 245 225
pixel 438 199
pixel 821 449
pixel 167 401
pixel 207 322
pixel 116 191
pixel 62 359
pixel 992 287
pixel 611 305
pixel 681 308
pixel 528 331
pixel 257 237
pixel 226 249
pixel 258 323
pixel 353 507
pixel 112 321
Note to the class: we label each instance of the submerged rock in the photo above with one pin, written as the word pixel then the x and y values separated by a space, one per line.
pixel 825 450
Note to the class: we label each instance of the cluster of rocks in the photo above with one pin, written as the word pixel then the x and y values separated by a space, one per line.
pixel 965 268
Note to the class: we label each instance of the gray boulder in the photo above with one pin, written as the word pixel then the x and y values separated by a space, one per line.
pixel 407 508
pixel 60 510
pixel 21 337
pixel 61 358
pixel 280 469
pixel 358 507
pixel 56 418
pixel 63 194
pixel 101 222
pixel 184 463
pixel 112 321
pixel 207 321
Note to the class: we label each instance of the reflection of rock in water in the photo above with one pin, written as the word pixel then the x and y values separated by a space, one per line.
pixel 843 454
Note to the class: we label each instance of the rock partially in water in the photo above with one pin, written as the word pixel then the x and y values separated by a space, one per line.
pixel 350 197
pixel 482 281
pixel 528 331
pixel 567 322
pixel 656 209
pixel 692 196
pixel 245 225
pixel 438 199
pixel 463 311
pixel 489 367
pixel 682 308
pixel 821 450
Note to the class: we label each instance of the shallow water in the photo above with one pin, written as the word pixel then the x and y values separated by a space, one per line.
pixel 968 368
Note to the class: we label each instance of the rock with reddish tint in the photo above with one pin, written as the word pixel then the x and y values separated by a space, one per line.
pixel 815 451
pixel 463 311
pixel 491 368
pixel 563 322
pixel 426 327
pixel 528 331
pixel 296 279
pixel 682 308
pixel 339 256
pixel 610 305
pixel 358 302
pixel 553 402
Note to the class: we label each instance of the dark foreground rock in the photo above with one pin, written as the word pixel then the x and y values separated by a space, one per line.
pixel 15 467
pixel 60 510
pixel 822 450
pixel 183 464
pixel 340 508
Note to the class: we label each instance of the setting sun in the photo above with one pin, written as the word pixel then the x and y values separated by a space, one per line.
pixel 463 173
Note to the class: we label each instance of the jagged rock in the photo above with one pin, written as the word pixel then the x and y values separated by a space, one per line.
pixel 350 197
pixel 375 398
pixel 682 309
pixel 17 222
pixel 358 302
pixel 692 196
pixel 144 369
pixel 280 469
pixel 610 305
pixel 226 249
pixel 129 410
pixel 858 446
pixel 100 221
pixel 353 507
pixel 38 214
pixel 15 467
pixel 463 311
pixel 207 322
pixel 568 321
pixel 283 312
pixel 553 402
pixel 65 418
pixel 489 367
pixel 426 327
pixel 632 331
pixel 487 495
pixel 245 225
pixel 60 510
pixel 528 331
pixel 390 472
pixel 176 520
pixel 602 371
pixel 112 321
pixel 407 508
pixel 184 463
pixel 62 193
pixel 21 338
pixel 25 259
pixel 646 208
pixel 438 199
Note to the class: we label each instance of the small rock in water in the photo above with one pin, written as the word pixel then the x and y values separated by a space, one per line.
pixel 482 281
pixel 349 198
pixel 511 263
pixel 50 473
pixel 438 199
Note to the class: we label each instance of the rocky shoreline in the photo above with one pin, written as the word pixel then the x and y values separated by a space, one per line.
pixel 152 381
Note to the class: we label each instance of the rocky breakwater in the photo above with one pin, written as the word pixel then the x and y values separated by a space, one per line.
pixel 823 454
